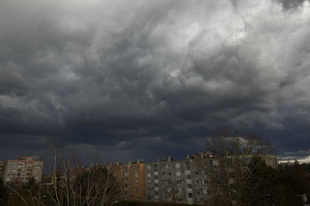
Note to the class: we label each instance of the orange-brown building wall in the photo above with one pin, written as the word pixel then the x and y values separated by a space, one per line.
pixel 128 182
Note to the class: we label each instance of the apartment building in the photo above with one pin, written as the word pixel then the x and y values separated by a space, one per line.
pixel 178 181
pixel 131 178
pixel 22 169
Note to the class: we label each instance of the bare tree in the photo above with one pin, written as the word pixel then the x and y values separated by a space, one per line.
pixel 229 173
pixel 72 184
pixel 75 185
pixel 173 191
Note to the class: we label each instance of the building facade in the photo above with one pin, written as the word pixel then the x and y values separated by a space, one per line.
pixel 186 181
pixel 131 179
pixel 22 169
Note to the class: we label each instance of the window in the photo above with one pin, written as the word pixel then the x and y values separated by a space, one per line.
pixel 178 173
pixel 177 165
pixel 179 182
pixel 168 166
pixel 188 177
pixel 189 186
pixel 206 192
pixel 156 177
pixel 190 195
pixel 136 175
pixel 188 167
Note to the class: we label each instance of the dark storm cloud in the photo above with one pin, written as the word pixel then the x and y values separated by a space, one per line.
pixel 127 79
pixel 288 4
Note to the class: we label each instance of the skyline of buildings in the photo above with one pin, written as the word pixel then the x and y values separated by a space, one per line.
pixel 165 180
pixel 171 180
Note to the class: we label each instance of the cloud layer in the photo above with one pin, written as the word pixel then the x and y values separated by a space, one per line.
pixel 140 78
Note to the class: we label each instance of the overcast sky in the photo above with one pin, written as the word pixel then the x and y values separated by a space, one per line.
pixel 140 79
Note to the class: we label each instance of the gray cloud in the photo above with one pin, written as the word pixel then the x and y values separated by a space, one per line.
pixel 133 78
pixel 289 4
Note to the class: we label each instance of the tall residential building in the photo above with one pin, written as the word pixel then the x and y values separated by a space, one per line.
pixel 177 181
pixel 131 180
pixel 22 169
pixel 186 181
